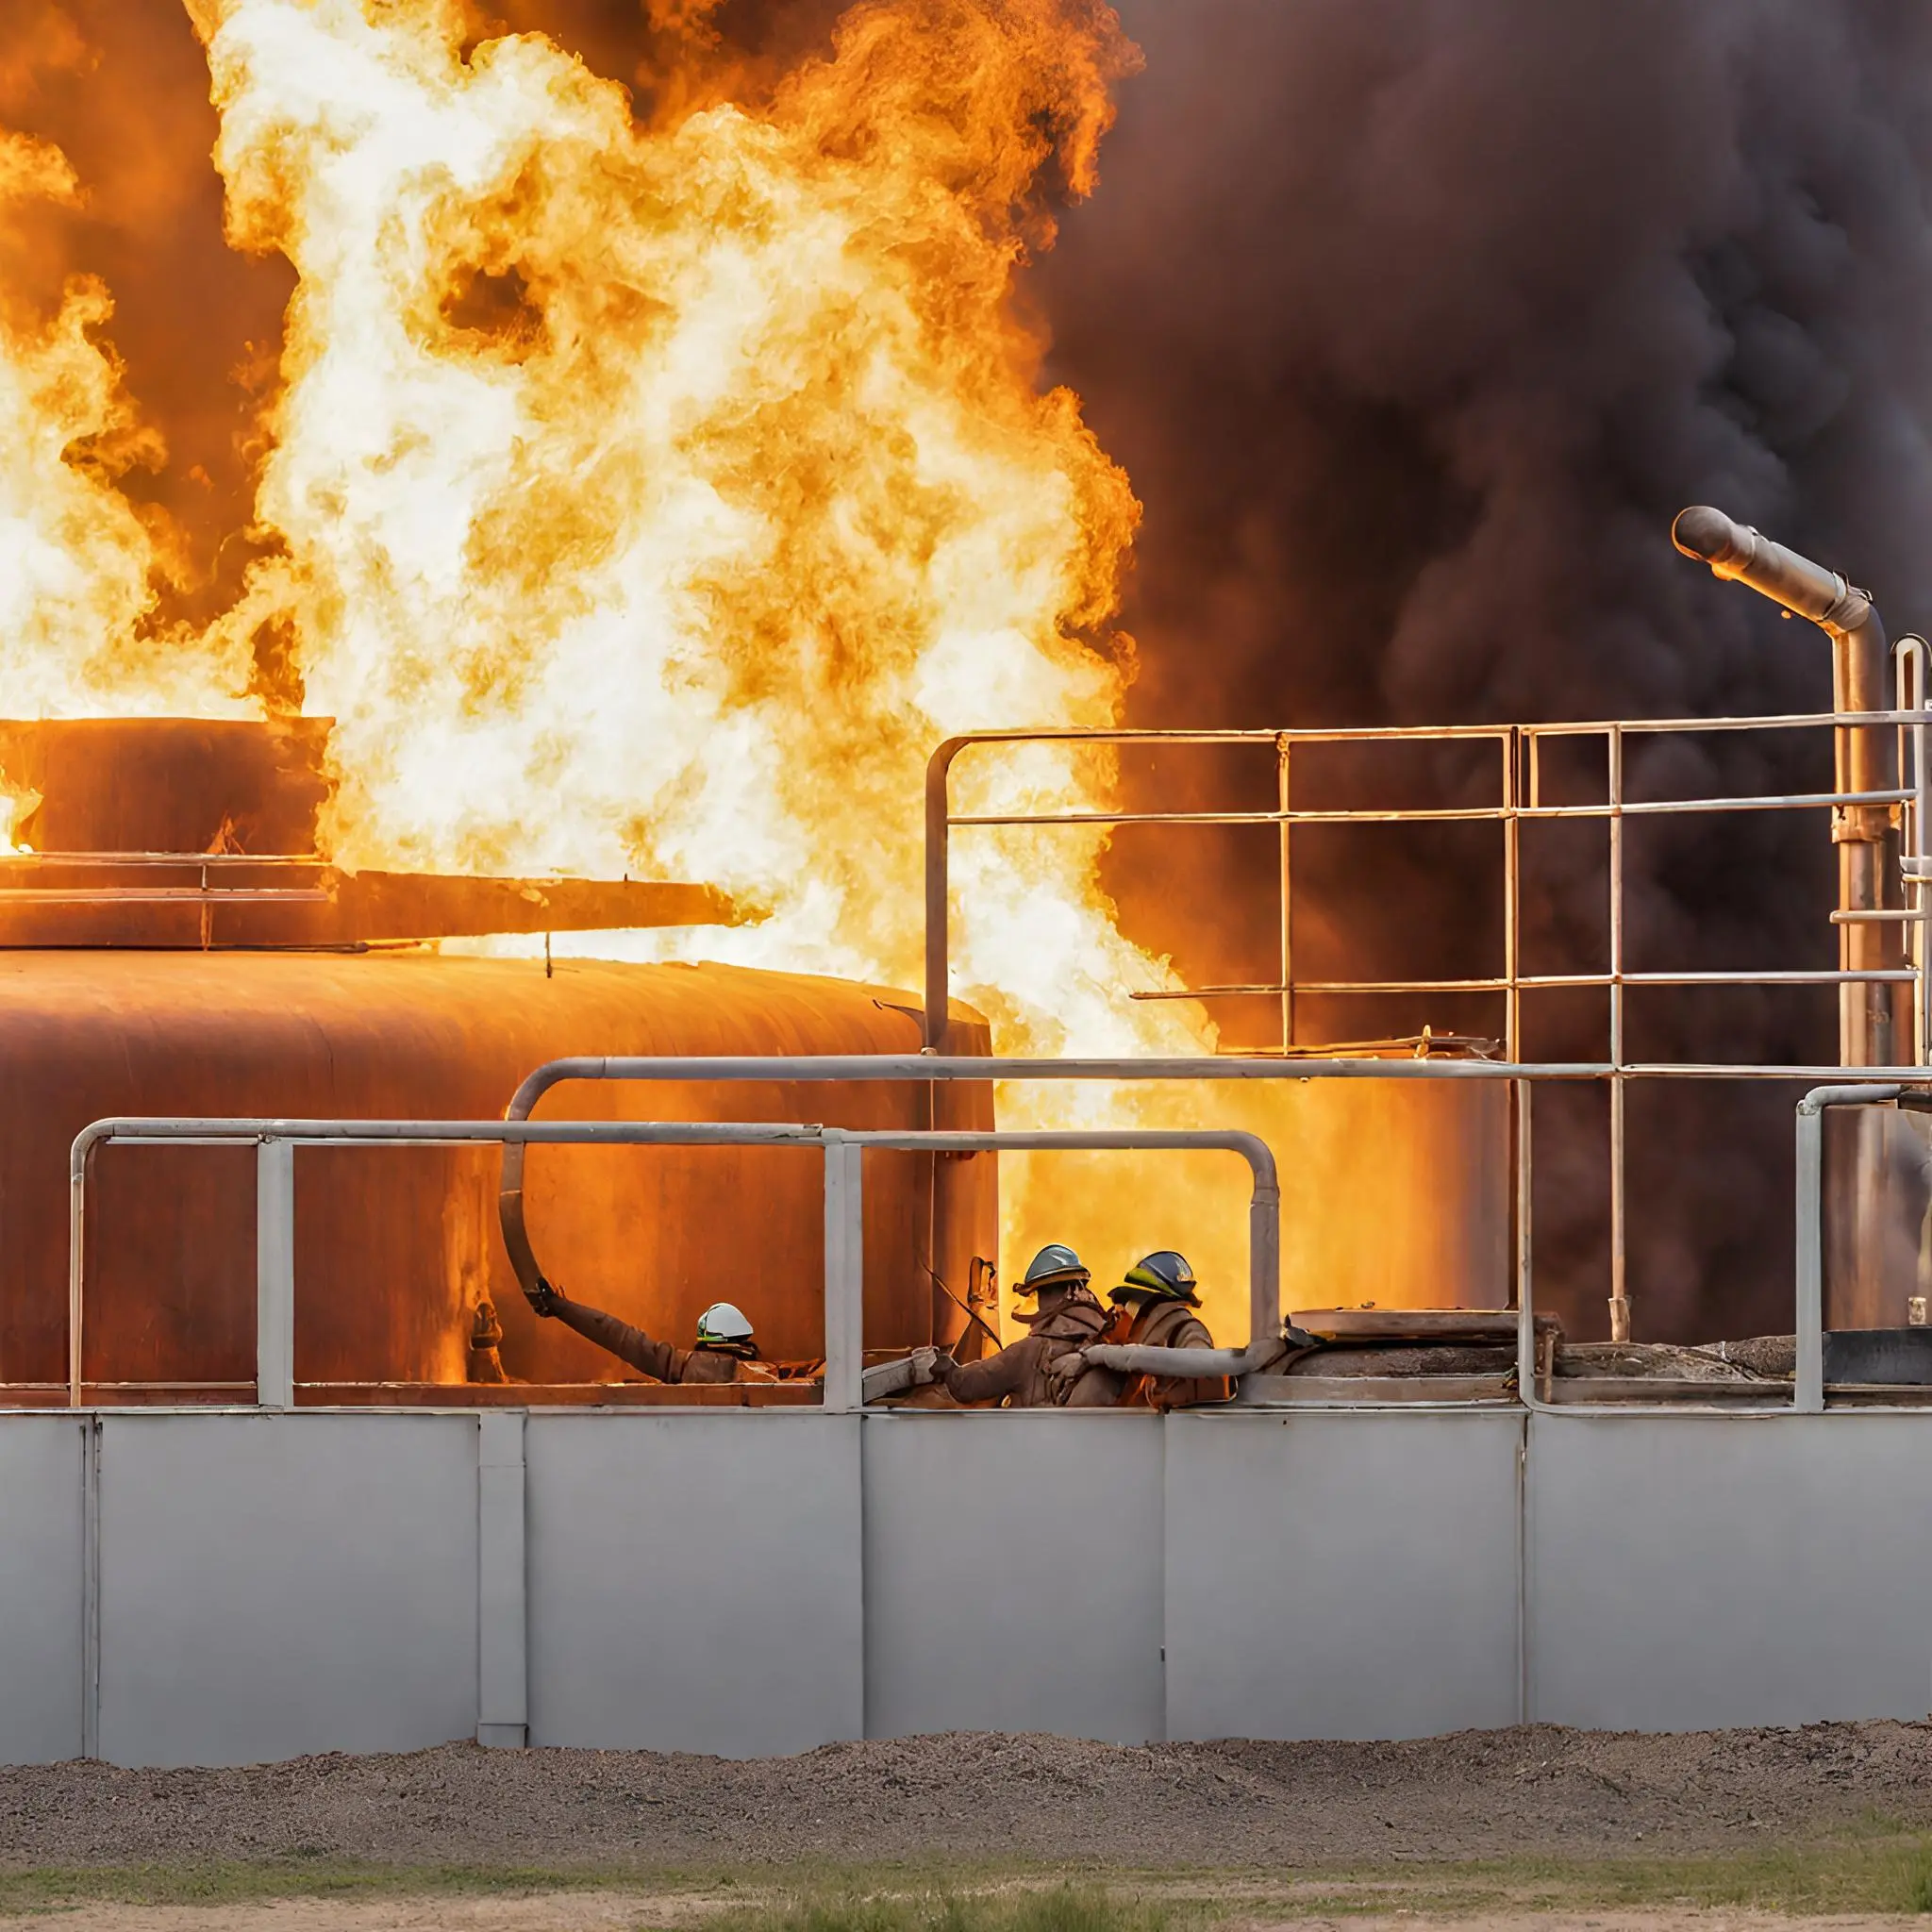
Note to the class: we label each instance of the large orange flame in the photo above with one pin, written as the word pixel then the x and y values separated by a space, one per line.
pixel 652 497
pixel 655 498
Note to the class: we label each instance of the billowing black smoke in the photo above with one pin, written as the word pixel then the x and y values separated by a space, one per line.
pixel 1414 321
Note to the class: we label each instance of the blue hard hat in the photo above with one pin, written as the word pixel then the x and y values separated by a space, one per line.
pixel 1054 1266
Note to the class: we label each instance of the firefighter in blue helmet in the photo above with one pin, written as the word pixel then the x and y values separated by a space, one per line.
pixel 1067 1318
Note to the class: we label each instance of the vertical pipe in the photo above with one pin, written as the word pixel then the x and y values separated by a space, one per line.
pixel 76 1267
pixel 1281 776
pixel 844 1273
pixel 1914 659
pixel 1619 1290
pixel 1807 1394
pixel 274 1274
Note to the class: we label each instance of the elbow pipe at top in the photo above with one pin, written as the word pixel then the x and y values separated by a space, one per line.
pixel 1862 658
pixel 1807 590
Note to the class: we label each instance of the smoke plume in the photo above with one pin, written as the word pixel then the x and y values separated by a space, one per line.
pixel 1414 322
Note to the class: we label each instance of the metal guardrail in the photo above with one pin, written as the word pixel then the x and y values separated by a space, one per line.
pixel 1519 802
pixel 275 1142
pixel 1854 1083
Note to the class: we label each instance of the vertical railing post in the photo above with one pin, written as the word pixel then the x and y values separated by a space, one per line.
pixel 1524 1230
pixel 1512 885
pixel 1620 1285
pixel 1807 1394
pixel 844 1273
pixel 1281 776
pixel 275 1273
pixel 937 896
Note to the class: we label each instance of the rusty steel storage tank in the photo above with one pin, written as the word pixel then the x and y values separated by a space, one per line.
pixel 176 947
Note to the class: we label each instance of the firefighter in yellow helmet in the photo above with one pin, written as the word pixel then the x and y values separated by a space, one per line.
pixel 1068 1318
pixel 1158 1307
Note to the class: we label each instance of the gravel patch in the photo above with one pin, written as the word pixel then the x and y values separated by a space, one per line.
pixel 1477 1794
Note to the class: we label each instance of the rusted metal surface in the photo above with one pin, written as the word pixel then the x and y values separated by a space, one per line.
pixel 397 1247
pixel 166 784
pixel 200 902
pixel 200 833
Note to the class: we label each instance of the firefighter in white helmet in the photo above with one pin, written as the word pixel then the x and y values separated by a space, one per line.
pixel 725 1349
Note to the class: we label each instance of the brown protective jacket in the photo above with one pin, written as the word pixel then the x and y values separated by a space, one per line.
pixel 1159 1324
pixel 1017 1374
pixel 658 1359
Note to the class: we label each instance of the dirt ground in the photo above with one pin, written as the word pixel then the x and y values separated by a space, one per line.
pixel 1474 1795
pixel 960 1801
pixel 570 1913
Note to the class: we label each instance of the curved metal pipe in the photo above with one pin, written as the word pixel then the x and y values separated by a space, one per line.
pixel 1868 755
pixel 1846 615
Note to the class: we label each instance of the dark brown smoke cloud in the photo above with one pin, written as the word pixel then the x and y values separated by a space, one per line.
pixel 1414 321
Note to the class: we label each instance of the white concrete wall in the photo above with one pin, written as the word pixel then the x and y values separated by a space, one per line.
pixel 764 1581
pixel 1691 1571
pixel 1341 1575
pixel 695 1581
pixel 272 1585
pixel 43 1602
pixel 1013 1573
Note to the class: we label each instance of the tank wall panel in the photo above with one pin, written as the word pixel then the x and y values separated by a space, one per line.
pixel 1341 1577
pixel 40 1588
pixel 986 1611
pixel 275 1585
pixel 695 1582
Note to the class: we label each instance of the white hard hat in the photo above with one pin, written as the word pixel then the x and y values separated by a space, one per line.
pixel 724 1322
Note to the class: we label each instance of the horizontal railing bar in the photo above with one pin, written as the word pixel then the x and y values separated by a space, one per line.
pixel 1775 721
pixel 1543 982
pixel 1418 815
pixel 168 860
pixel 162 895
pixel 1767 801
pixel 1414 734
pixel 1342 734
pixel 956 1067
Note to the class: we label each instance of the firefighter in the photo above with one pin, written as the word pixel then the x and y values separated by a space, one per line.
pixel 726 1351
pixel 1158 1308
pixel 1068 1318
